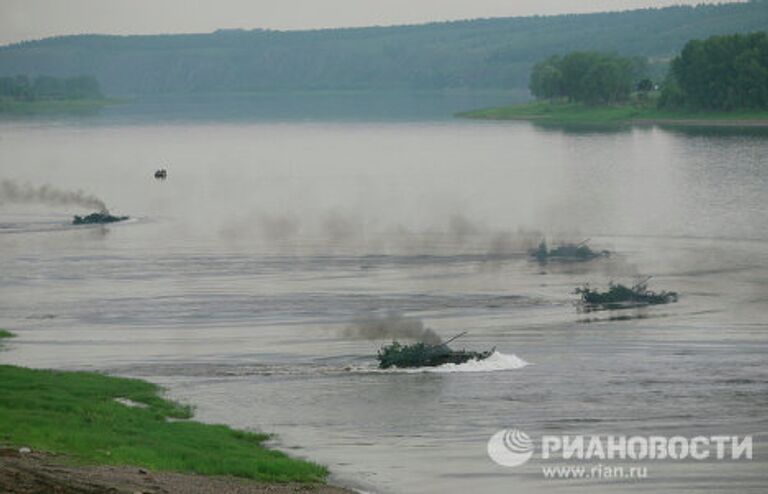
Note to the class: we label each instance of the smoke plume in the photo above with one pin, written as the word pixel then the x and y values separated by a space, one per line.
pixel 15 193
pixel 393 326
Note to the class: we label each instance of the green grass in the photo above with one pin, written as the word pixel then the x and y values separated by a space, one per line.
pixel 74 413
pixel 575 113
pixel 4 333
pixel 45 107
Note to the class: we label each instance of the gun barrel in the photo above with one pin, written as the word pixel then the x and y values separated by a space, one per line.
pixel 643 282
pixel 455 337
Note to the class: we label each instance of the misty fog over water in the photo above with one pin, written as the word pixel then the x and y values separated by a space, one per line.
pixel 237 279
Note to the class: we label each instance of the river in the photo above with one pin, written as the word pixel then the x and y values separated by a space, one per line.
pixel 234 281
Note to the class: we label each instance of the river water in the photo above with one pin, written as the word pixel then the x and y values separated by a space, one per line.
pixel 235 279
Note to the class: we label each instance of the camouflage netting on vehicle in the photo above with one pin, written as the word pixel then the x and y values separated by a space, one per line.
pixel 567 252
pixel 423 355
pixel 620 296
pixel 97 218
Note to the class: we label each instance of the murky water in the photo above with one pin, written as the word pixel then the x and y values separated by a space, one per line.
pixel 234 280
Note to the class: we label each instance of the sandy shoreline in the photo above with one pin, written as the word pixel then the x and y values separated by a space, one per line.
pixel 38 472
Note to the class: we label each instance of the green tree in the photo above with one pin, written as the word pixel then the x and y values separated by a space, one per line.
pixel 586 77
pixel 720 73
pixel 547 79
pixel 608 80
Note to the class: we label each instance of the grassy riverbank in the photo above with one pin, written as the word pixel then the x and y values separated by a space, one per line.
pixel 76 414
pixel 574 113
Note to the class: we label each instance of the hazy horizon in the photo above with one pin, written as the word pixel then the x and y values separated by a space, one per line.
pixel 22 20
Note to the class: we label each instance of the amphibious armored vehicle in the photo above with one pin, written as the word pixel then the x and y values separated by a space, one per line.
pixel 621 297
pixel 97 219
pixel 424 355
pixel 567 252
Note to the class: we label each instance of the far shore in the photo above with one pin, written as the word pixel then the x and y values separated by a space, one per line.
pixel 50 107
pixel 630 114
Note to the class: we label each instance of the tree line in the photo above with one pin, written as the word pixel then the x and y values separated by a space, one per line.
pixel 720 73
pixel 477 54
pixel 23 88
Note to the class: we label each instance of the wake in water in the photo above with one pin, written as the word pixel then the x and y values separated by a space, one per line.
pixel 53 225
pixel 496 362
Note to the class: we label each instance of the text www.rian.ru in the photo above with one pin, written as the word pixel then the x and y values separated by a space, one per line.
pixel 594 472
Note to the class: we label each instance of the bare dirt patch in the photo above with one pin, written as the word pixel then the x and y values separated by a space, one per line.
pixel 44 473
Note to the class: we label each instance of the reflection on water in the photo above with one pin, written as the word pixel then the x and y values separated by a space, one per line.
pixel 733 132
pixel 583 129
pixel 236 277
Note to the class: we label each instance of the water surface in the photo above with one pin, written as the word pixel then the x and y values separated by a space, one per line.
pixel 234 280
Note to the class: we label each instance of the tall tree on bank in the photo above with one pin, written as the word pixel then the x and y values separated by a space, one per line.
pixel 720 73
pixel 585 77
pixel 547 79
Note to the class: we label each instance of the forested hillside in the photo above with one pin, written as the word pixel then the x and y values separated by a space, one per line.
pixel 41 88
pixel 490 53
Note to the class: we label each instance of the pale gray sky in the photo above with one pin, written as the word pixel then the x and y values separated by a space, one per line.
pixel 32 19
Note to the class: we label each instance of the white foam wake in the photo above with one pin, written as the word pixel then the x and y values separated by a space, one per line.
pixel 496 362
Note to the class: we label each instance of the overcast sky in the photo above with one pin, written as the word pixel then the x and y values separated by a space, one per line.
pixel 32 19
